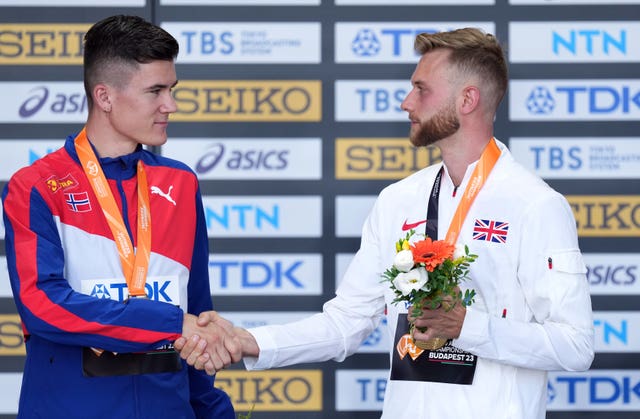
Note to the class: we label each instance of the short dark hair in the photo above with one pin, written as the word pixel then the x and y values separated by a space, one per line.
pixel 472 52
pixel 121 41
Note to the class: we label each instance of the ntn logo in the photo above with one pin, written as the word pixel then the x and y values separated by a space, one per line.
pixel 589 40
pixel 243 216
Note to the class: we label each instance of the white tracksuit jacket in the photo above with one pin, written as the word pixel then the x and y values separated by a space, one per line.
pixel 548 326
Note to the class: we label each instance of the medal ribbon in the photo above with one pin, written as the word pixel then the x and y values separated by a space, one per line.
pixel 134 266
pixel 479 176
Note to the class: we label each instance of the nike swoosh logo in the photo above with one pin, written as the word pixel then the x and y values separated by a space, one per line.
pixel 408 226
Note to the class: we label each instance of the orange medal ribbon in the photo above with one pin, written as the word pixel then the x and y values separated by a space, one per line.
pixel 134 266
pixel 479 176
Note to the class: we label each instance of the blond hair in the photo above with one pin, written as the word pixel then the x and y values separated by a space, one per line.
pixel 473 52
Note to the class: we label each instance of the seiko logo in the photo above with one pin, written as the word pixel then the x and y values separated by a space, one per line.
pixel 11 337
pixel 295 390
pixel 381 158
pixel 248 101
pixel 41 44
pixel 607 215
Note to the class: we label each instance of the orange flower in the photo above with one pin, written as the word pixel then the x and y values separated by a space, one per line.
pixel 431 253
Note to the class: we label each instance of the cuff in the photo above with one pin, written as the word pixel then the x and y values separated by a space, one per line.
pixel 475 330
pixel 267 347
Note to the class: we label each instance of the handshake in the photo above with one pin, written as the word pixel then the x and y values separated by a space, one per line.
pixel 210 342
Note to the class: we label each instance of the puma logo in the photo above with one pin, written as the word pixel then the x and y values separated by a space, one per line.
pixel 156 190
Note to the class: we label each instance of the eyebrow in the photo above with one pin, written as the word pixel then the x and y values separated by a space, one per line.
pixel 162 86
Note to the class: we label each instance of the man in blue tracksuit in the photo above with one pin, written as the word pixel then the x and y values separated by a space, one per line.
pixel 107 250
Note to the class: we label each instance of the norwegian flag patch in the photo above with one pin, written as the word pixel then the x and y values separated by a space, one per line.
pixel 491 231
pixel 78 202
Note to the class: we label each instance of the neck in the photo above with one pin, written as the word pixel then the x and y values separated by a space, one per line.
pixel 459 153
pixel 106 141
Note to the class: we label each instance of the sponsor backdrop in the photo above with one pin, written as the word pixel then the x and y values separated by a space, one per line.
pixel 289 112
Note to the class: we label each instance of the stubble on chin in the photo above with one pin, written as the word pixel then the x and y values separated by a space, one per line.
pixel 442 125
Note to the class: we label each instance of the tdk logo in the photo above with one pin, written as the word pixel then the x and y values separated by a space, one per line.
pixel 551 393
pixel 378 341
pixel 155 290
pixel 100 291
pixel 601 390
pixel 366 43
pixel 575 100
pixel 257 274
pixel 540 101
pixel 599 100
pixel 264 274
pixel 390 42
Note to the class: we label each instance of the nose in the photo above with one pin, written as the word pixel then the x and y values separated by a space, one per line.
pixel 406 103
pixel 169 105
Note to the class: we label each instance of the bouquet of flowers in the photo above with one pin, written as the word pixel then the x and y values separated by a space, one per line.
pixel 426 273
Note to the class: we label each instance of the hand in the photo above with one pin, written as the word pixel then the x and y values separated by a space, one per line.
pixel 211 346
pixel 249 346
pixel 248 342
pixel 442 322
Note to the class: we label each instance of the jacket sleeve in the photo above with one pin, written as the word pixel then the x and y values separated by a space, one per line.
pixel 345 321
pixel 557 333
pixel 207 401
pixel 47 304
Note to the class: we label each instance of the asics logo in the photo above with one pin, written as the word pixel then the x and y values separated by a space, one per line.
pixel 157 191
pixel 408 226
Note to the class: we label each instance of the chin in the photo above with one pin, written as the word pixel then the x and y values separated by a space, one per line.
pixel 159 139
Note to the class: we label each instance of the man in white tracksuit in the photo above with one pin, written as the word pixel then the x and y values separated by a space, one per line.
pixel 532 310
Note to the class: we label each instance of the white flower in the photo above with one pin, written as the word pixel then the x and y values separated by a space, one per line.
pixel 415 279
pixel 403 260
pixel 459 252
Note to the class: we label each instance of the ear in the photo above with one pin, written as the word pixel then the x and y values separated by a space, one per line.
pixel 470 99
pixel 101 97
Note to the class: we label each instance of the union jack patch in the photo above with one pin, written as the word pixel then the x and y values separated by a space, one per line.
pixel 491 231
